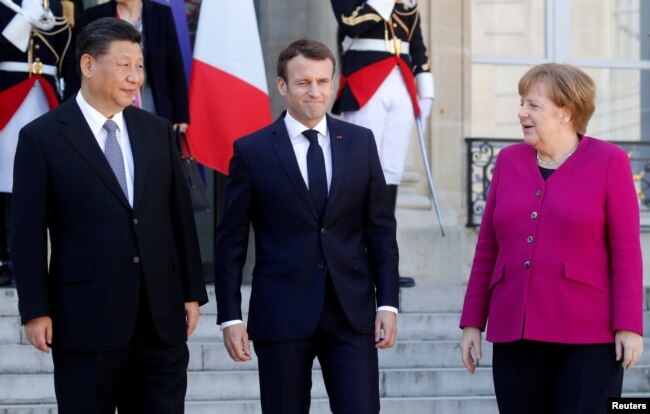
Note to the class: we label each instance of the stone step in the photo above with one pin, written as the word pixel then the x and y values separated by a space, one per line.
pixel 411 326
pixel 418 299
pixel 212 356
pixel 446 405
pixel 243 385
pixel 460 405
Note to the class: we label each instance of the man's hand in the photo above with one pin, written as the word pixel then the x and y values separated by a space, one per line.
pixel 39 333
pixel 235 338
pixel 629 347
pixel 191 316
pixel 471 339
pixel 385 329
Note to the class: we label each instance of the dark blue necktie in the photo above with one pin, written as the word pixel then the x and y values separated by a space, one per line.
pixel 316 172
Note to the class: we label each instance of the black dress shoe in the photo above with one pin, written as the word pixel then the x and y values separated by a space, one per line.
pixel 406 282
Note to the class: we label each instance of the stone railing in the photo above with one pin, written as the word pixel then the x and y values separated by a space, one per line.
pixel 482 154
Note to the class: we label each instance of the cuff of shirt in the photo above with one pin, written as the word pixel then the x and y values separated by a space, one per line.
pixel 226 324
pixel 383 7
pixel 388 308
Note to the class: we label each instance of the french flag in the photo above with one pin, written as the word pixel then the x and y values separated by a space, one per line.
pixel 228 95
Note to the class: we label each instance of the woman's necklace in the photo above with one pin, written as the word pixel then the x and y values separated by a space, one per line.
pixel 570 153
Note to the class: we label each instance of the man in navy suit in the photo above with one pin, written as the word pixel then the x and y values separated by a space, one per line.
pixel 325 282
pixel 124 283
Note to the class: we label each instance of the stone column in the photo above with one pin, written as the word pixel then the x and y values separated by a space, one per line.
pixel 283 21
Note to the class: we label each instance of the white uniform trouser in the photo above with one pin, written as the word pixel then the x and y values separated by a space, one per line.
pixel 389 114
pixel 34 105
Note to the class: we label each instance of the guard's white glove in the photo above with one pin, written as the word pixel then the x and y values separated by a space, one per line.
pixel 425 107
pixel 32 10
pixel 30 14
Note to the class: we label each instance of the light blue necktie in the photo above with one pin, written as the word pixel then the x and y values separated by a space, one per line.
pixel 113 154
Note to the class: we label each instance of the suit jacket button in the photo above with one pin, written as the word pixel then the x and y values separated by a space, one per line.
pixel 527 264
pixel 136 259
pixel 533 215
pixel 135 221
pixel 538 193
pixel 529 239
pixel 323 230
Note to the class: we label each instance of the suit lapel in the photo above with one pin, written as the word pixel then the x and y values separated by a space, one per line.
pixel 78 133
pixel 284 150
pixel 138 138
pixel 337 146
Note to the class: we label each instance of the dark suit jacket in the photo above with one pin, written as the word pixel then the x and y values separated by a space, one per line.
pixel 355 241
pixel 163 62
pixel 101 248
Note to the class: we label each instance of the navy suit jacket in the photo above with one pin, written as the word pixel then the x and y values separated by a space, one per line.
pixel 101 248
pixel 355 241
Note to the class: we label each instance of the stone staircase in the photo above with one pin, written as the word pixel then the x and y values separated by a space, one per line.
pixel 421 374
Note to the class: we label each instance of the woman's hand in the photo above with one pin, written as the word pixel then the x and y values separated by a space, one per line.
pixel 629 347
pixel 471 339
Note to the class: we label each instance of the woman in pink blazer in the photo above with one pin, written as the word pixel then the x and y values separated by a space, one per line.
pixel 557 269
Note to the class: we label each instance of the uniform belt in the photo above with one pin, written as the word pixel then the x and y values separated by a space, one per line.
pixel 374 45
pixel 36 68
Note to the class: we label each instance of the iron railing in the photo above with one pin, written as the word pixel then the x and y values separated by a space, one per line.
pixel 482 154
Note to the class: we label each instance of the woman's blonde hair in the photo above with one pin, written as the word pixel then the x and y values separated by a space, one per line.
pixel 568 87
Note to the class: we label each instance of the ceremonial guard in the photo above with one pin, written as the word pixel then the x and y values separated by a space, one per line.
pixel 385 77
pixel 34 40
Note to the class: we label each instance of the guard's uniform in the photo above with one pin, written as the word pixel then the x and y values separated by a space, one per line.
pixel 30 61
pixel 384 70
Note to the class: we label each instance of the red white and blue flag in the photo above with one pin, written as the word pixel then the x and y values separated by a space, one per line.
pixel 228 92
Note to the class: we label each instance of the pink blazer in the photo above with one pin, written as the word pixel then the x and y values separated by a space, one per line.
pixel 558 260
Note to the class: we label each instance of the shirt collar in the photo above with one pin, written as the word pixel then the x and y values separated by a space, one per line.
pixel 95 119
pixel 295 128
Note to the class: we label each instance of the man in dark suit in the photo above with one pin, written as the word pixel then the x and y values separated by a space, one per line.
pixel 124 284
pixel 326 254
pixel 165 90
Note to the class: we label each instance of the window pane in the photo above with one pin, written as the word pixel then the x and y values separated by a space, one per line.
pixel 495 101
pixel 622 112
pixel 618 104
pixel 508 27
pixel 609 29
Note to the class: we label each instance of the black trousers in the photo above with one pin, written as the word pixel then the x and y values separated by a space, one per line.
pixel 547 378
pixel 144 376
pixel 348 361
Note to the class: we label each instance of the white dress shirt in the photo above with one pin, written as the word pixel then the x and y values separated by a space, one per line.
pixel 300 145
pixel 96 122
